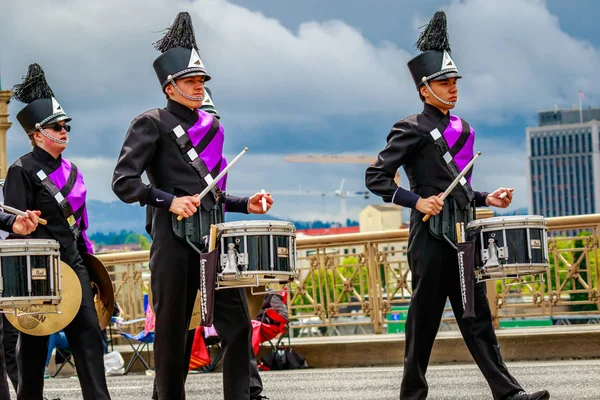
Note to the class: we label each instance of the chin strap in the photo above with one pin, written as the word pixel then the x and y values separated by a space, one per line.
pixel 55 140
pixel 450 103
pixel 187 96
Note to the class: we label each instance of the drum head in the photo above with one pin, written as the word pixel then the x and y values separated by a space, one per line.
pixel 279 226
pixel 509 221
pixel 47 324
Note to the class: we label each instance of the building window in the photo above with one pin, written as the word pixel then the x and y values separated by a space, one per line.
pixel 570 146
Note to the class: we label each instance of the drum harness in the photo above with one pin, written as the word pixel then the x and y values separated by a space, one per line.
pixel 442 226
pixel 196 230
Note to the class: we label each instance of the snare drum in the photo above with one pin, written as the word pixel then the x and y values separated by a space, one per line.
pixel 255 253
pixel 511 247
pixel 29 273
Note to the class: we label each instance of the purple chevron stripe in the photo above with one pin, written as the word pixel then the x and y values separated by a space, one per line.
pixel 451 134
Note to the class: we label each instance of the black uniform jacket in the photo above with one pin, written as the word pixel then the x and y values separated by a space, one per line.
pixel 148 147
pixel 22 190
pixel 410 145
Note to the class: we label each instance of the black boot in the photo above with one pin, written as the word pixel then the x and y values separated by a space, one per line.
pixel 540 395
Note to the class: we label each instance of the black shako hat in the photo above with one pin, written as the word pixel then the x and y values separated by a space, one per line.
pixel 434 63
pixel 42 108
pixel 179 56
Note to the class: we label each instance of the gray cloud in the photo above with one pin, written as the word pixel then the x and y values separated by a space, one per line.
pixel 312 80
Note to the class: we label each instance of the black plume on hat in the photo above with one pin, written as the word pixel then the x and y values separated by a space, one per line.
pixel 179 50
pixel 42 108
pixel 434 62
pixel 180 34
pixel 435 35
pixel 33 87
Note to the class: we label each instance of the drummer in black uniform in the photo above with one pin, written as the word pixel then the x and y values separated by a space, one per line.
pixel 19 225
pixel 180 149
pixel 46 181
pixel 433 147
pixel 256 385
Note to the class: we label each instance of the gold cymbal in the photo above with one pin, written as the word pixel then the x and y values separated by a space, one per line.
pixel 255 301
pixel 47 324
pixel 254 304
pixel 196 315
pixel 104 295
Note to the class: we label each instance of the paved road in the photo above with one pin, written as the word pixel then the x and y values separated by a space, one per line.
pixel 565 380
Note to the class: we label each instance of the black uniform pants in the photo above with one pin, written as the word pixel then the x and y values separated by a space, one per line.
pixel 11 336
pixel 4 391
pixel 434 268
pixel 85 341
pixel 175 269
pixel 256 386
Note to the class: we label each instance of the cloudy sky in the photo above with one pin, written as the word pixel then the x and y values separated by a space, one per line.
pixel 304 77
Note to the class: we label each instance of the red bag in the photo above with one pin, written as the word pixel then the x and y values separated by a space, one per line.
pixel 200 355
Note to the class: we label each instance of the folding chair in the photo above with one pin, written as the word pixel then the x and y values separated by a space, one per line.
pixel 212 341
pixel 62 357
pixel 277 327
pixel 138 342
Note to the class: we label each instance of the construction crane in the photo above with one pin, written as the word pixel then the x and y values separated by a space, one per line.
pixel 346 159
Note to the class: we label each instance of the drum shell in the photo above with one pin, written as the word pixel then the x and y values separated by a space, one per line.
pixel 43 257
pixel 525 245
pixel 524 238
pixel 269 246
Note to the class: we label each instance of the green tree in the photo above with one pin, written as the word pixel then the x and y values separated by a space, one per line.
pixel 144 243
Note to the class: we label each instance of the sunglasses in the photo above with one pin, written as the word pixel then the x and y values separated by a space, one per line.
pixel 58 127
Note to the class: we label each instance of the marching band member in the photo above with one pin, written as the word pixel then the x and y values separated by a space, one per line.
pixel 256 385
pixel 180 149
pixel 433 147
pixel 19 225
pixel 46 181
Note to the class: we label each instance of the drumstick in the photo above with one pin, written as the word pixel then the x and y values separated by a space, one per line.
pixel 503 195
pixel 458 238
pixel 264 201
pixel 462 231
pixel 218 178
pixel 21 213
pixel 213 238
pixel 455 182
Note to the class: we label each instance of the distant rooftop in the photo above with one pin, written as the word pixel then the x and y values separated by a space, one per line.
pixel 329 231
pixel 385 207
pixel 563 116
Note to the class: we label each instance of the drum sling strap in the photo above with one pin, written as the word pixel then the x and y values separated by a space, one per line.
pixel 459 209
pixel 448 155
pixel 443 225
pixel 195 230
pixel 61 198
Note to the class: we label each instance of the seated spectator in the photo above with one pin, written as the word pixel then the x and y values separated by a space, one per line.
pixel 57 340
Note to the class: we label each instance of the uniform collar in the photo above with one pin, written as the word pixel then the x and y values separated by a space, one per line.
pixel 181 110
pixel 45 157
pixel 434 112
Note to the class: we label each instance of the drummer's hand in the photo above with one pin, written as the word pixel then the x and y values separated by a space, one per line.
pixel 26 225
pixel 255 203
pixel 431 205
pixel 494 199
pixel 185 206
